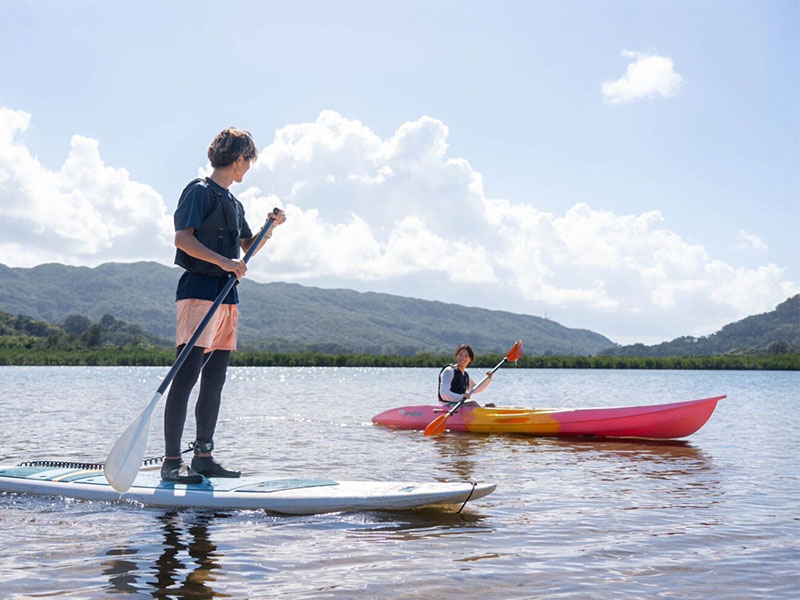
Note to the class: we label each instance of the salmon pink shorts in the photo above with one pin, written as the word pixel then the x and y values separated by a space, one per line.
pixel 219 334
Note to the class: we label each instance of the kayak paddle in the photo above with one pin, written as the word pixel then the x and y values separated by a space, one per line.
pixel 439 424
pixel 125 458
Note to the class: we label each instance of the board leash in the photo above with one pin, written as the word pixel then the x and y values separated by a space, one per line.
pixel 68 464
pixel 474 485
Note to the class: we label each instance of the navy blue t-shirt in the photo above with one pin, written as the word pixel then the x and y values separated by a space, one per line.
pixel 196 203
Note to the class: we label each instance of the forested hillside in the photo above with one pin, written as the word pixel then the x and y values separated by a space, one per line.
pixel 285 317
pixel 776 332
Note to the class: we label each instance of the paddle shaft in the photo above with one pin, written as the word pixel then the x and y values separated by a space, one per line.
pixel 217 302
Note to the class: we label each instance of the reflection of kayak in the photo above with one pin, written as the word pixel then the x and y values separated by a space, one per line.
pixel 657 421
pixel 289 496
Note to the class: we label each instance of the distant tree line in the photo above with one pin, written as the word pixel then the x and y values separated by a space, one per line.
pixel 12 354
pixel 79 341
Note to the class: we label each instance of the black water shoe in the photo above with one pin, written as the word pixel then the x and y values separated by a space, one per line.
pixel 175 470
pixel 207 466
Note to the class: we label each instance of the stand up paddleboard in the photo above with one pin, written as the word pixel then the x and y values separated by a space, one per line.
pixel 287 496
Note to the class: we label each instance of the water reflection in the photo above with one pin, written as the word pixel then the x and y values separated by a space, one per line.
pixel 184 568
pixel 675 471
pixel 662 451
pixel 649 473
pixel 655 459
pixel 418 524
pixel 172 565
pixel 120 572
pixel 459 452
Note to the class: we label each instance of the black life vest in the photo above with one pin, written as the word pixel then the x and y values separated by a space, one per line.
pixel 220 231
pixel 459 384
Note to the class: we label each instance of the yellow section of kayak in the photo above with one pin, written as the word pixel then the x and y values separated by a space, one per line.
pixel 511 420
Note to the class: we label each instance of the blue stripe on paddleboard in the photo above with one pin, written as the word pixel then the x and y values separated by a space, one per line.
pixel 24 472
pixel 37 473
pixel 276 485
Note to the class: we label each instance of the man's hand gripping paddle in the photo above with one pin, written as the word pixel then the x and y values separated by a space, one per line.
pixel 439 424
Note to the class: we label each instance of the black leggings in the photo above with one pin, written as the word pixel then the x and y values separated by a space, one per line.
pixel 207 409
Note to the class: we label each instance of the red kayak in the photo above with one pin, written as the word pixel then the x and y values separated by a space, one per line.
pixel 657 421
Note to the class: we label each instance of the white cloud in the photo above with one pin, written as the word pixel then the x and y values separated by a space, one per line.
pixel 749 291
pixel 362 209
pixel 750 240
pixel 648 77
pixel 395 214
pixel 84 213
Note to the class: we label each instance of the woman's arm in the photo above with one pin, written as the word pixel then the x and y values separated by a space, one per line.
pixel 483 386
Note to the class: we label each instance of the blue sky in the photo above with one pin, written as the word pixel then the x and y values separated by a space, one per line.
pixel 458 151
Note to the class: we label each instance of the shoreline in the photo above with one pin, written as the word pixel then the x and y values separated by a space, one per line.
pixel 137 356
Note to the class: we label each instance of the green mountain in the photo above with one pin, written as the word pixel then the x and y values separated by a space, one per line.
pixel 283 317
pixel 776 332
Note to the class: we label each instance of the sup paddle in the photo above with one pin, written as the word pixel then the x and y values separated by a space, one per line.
pixel 125 458
pixel 439 424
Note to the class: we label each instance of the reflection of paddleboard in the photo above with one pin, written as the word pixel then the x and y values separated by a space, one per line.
pixel 289 496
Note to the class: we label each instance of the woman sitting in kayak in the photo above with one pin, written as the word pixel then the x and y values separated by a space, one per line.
pixel 454 381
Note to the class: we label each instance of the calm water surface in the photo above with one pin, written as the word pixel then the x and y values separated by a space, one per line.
pixel 716 516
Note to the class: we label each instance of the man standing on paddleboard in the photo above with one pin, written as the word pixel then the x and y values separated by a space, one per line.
pixel 210 229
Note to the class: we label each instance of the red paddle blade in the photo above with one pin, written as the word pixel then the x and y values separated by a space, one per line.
pixel 437 425
pixel 516 352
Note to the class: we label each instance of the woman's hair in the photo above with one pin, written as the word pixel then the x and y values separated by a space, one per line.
pixel 468 349
pixel 229 145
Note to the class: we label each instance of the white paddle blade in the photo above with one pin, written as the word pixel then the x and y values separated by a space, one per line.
pixel 123 462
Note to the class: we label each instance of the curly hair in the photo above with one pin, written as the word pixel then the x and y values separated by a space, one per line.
pixel 229 145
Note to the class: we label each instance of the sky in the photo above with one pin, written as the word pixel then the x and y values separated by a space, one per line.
pixel 628 167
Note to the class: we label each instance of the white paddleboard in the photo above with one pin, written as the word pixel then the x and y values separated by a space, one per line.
pixel 287 496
